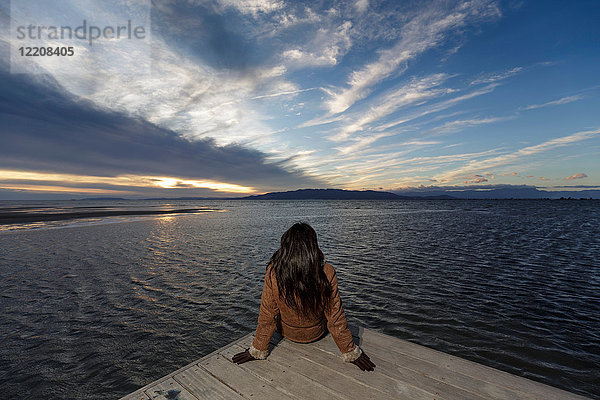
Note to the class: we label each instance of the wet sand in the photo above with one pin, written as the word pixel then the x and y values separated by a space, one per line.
pixel 19 217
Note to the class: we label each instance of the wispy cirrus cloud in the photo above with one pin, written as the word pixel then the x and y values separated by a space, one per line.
pixel 362 128
pixel 284 93
pixel 458 125
pixel 510 158
pixel 563 100
pixel 426 30
pixel 437 107
pixel 399 166
pixel 413 92
pixel 496 76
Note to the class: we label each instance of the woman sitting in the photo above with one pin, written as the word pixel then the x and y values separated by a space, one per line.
pixel 300 299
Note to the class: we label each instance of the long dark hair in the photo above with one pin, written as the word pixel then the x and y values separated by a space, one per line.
pixel 298 267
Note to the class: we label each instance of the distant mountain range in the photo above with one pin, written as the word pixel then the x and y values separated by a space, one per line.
pixel 335 194
pixel 428 194
pixel 499 193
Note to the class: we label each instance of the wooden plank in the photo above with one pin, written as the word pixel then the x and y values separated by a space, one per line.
pixel 389 360
pixel 344 378
pixel 527 387
pixel 405 376
pixel 169 389
pixel 205 386
pixel 137 395
pixel 190 365
pixel 284 378
pixel 238 379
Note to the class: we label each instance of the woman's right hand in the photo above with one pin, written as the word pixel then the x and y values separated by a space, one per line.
pixel 242 357
pixel 364 363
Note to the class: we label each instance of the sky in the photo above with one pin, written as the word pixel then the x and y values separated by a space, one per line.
pixel 236 97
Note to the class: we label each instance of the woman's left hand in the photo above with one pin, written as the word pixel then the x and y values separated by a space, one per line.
pixel 242 357
pixel 364 363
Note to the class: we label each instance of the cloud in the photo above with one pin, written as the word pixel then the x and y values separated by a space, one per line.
pixel 191 98
pixel 436 188
pixel 564 100
pixel 415 93
pixel 291 18
pixel 361 6
pixel 45 129
pixel 204 73
pixel 425 30
pixel 391 168
pixel 437 107
pixel 253 7
pixel 495 77
pixel 510 158
pixel 458 125
pixel 476 179
pixel 325 49
pixel 417 90
pixel 284 93
pixel 576 176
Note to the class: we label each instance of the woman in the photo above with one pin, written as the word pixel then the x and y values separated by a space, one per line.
pixel 300 298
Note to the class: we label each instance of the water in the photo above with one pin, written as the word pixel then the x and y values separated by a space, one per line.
pixel 97 308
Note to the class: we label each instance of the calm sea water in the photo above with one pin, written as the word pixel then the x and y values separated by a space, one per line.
pixel 97 308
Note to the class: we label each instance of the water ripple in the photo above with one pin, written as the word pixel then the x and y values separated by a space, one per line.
pixel 89 311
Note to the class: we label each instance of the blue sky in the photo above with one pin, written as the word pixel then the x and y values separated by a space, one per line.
pixel 263 95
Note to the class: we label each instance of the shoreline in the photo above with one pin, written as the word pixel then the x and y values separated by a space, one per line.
pixel 15 218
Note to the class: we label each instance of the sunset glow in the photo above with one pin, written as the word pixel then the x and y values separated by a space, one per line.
pixel 125 184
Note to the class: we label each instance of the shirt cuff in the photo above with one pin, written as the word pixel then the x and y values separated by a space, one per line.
pixel 352 355
pixel 258 354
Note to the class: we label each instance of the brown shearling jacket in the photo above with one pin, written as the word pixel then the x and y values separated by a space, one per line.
pixel 298 328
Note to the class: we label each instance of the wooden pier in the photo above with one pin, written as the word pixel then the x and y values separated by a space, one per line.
pixel 404 370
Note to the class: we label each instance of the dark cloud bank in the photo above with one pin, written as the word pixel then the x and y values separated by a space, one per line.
pixel 45 129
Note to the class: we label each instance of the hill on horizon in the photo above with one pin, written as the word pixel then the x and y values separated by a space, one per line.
pixel 335 194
